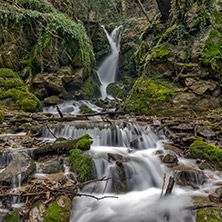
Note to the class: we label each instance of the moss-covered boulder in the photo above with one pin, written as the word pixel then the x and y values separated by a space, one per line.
pixel 11 217
pixel 14 93
pixel 81 165
pixel 58 211
pixel 149 97
pixel 209 215
pixel 206 151
pixel 117 89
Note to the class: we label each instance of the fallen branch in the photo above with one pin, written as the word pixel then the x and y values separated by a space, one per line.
pixel 164 181
pixel 97 198
pixel 170 186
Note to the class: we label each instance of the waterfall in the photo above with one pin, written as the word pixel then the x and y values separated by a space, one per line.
pixel 126 152
pixel 108 69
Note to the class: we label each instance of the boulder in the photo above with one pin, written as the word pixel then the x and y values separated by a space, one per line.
pixel 114 157
pixel 200 87
pixel 53 167
pixel 52 100
pixel 169 158
pixel 36 213
pixel 22 165
pixel 187 176
pixel 206 131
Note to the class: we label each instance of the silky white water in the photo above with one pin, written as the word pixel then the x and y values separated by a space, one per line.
pixel 136 177
pixel 108 68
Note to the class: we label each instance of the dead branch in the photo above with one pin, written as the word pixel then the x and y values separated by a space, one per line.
pixel 97 198
pixel 170 186
pixel 51 132
pixel 59 111
pixel 164 181
pixel 144 11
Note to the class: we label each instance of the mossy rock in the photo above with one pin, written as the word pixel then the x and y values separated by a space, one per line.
pixel 14 93
pixel 56 213
pixel 209 215
pixel 117 89
pixel 11 217
pixel 2 115
pixel 81 165
pixel 149 97
pixel 85 109
pixel 84 142
pixel 206 151
pixel 90 88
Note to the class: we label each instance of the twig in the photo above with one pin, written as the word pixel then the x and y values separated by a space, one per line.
pixel 51 132
pixel 97 198
pixel 59 111
pixel 164 181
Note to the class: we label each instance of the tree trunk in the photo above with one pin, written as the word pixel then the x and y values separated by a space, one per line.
pixel 164 7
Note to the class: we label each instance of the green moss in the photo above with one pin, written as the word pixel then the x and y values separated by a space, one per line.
pixel 90 87
pixel 83 144
pixel 169 124
pixel 81 165
pixel 15 94
pixel 209 215
pixel 159 52
pixel 12 217
pixel 206 151
pixel 2 115
pixel 55 213
pixel 147 96
pixel 85 109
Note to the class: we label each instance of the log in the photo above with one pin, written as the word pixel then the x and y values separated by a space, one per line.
pixel 170 186
pixel 110 113
pixel 55 148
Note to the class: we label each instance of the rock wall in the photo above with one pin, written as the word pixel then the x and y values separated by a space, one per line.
pixel 185 51
pixel 53 52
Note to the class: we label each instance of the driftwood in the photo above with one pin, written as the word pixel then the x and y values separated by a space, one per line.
pixel 55 148
pixel 170 186
pixel 110 113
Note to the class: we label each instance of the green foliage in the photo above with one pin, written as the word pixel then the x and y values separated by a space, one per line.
pixel 85 109
pixel 2 115
pixel 50 24
pixel 212 52
pixel 80 164
pixel 14 93
pixel 56 213
pixel 12 217
pixel 206 151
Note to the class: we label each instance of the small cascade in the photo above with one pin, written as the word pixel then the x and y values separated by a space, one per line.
pixel 71 107
pixel 108 68
pixel 126 152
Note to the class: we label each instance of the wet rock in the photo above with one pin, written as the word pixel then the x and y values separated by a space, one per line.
pixel 22 165
pixel 135 142
pixel 173 148
pixel 114 157
pixel 204 165
pixel 200 87
pixel 187 176
pixel 213 197
pixel 68 109
pixel 170 159
pixel 36 213
pixel 206 132
pixel 52 100
pixel 53 167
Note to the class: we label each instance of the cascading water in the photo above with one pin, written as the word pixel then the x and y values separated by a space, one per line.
pixel 108 69
pixel 127 154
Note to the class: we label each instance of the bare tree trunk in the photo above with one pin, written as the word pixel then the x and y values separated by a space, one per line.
pixel 144 10
pixel 164 7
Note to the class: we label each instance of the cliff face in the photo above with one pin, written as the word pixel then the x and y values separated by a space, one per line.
pixel 53 52
pixel 182 54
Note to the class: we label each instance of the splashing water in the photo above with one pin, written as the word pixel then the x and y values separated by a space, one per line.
pixel 108 69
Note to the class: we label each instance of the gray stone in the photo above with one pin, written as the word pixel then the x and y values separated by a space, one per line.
pixel 37 213
pixel 200 87
pixel 22 165
pixel 52 167
pixel 206 131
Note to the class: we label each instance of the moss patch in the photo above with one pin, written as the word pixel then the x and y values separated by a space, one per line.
pixel 148 97
pixel 14 93
pixel 206 151
pixel 81 165
pixel 12 217
pixel 209 215
pixel 56 213
pixel 2 115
